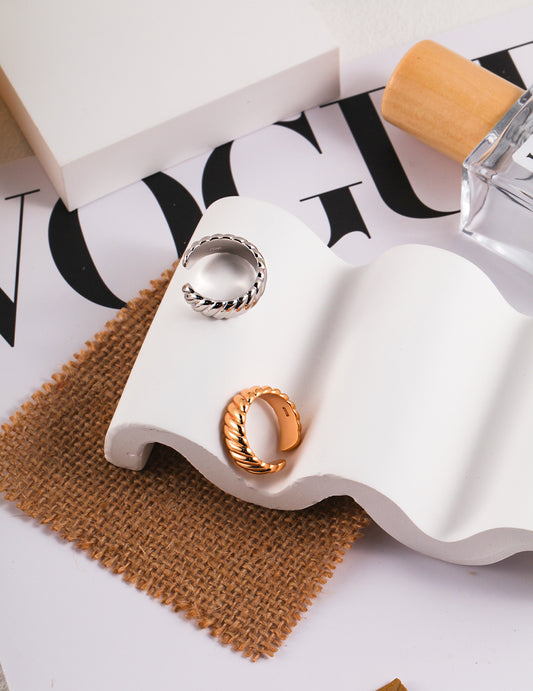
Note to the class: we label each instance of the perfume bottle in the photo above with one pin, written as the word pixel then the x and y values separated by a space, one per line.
pixel 482 121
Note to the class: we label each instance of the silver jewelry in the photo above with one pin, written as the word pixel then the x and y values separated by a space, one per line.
pixel 225 309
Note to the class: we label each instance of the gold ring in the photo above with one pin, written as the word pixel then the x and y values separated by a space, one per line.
pixel 234 428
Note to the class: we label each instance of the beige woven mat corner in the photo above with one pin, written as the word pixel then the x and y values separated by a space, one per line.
pixel 165 529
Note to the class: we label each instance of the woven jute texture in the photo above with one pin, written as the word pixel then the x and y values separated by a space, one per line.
pixel 245 572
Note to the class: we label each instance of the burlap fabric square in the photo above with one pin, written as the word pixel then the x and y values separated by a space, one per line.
pixel 165 529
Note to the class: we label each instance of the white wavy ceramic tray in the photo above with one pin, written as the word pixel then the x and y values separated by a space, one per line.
pixel 413 378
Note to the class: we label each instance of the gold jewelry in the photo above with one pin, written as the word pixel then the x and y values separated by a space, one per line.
pixel 234 428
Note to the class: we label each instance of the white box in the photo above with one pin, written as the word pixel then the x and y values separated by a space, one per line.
pixel 108 91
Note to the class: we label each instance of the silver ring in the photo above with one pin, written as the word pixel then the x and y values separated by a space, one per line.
pixel 225 309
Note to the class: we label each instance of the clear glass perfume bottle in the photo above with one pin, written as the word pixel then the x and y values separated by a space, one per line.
pixel 482 121
pixel 497 187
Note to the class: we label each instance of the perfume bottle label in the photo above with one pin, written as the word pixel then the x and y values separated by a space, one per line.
pixel 524 155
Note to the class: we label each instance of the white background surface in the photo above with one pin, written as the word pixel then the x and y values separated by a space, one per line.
pixel 67 623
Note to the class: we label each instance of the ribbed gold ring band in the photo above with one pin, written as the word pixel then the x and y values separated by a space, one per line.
pixel 234 428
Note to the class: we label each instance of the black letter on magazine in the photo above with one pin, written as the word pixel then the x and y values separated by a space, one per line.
pixel 73 259
pixel 343 213
pixel 381 159
pixel 217 178
pixel 179 207
pixel 8 307
pixel 303 128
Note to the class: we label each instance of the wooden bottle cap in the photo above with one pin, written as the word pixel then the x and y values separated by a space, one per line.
pixel 446 100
